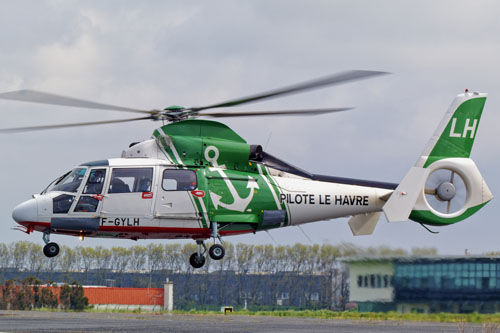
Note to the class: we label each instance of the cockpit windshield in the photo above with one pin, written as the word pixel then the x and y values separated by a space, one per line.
pixel 69 182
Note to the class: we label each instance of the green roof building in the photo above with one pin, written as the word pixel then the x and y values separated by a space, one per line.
pixel 425 284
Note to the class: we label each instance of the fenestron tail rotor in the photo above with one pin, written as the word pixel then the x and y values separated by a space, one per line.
pixel 445 191
pixel 173 114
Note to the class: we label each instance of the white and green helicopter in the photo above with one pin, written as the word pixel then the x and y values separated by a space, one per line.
pixel 200 180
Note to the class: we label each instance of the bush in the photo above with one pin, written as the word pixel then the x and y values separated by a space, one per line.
pixel 77 299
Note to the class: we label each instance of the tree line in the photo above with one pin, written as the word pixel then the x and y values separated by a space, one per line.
pixel 240 257
pixel 260 276
pixel 31 294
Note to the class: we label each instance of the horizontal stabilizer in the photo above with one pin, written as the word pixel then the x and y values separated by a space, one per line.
pixel 364 224
pixel 402 200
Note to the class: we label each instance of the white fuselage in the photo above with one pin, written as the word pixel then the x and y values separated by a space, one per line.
pixel 160 212
pixel 310 201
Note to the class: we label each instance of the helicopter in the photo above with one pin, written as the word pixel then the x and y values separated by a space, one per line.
pixel 198 179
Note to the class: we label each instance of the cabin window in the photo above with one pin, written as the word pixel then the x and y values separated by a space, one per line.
pixel 71 182
pixel 127 180
pixel 179 180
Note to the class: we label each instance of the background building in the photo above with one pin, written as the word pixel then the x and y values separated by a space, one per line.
pixel 151 299
pixel 425 284
pixel 201 290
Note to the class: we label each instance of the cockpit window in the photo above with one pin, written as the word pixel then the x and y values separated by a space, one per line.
pixel 91 194
pixel 126 180
pixel 87 204
pixel 53 183
pixel 95 182
pixel 71 182
pixel 62 203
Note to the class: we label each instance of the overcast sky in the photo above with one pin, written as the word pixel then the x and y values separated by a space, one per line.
pixel 152 54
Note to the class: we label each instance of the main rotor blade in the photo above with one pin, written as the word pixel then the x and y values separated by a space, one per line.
pixel 307 112
pixel 314 84
pixel 34 96
pixel 38 128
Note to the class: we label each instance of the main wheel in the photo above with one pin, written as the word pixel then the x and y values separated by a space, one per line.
pixel 216 252
pixel 197 261
pixel 51 250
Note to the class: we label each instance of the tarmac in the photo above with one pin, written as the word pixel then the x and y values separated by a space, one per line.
pixel 41 321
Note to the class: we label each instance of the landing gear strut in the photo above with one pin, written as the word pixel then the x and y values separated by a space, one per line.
pixel 216 251
pixel 50 249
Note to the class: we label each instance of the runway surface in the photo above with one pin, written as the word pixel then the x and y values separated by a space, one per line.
pixel 29 321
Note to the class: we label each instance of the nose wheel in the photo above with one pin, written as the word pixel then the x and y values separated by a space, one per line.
pixel 50 249
pixel 197 261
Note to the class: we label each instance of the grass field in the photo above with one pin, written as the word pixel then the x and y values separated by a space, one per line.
pixel 475 318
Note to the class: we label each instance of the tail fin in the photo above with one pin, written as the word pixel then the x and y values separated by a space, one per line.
pixel 455 134
pixel 444 186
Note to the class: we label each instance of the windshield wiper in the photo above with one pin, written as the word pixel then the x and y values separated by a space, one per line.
pixel 55 182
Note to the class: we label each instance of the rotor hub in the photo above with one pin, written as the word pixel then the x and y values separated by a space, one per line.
pixel 172 114
pixel 446 191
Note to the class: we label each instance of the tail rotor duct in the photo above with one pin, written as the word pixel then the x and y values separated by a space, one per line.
pixel 445 191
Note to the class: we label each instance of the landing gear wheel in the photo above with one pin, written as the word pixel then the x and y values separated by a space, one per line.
pixel 216 252
pixel 51 250
pixel 197 261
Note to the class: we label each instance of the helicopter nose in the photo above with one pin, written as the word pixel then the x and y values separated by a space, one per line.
pixel 26 212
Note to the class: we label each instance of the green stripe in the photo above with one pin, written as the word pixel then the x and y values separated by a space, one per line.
pixel 275 188
pixel 199 208
pixel 166 148
pixel 196 203
pixel 427 217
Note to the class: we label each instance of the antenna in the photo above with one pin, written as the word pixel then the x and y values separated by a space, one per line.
pixel 275 242
pixel 267 141
pixel 309 239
